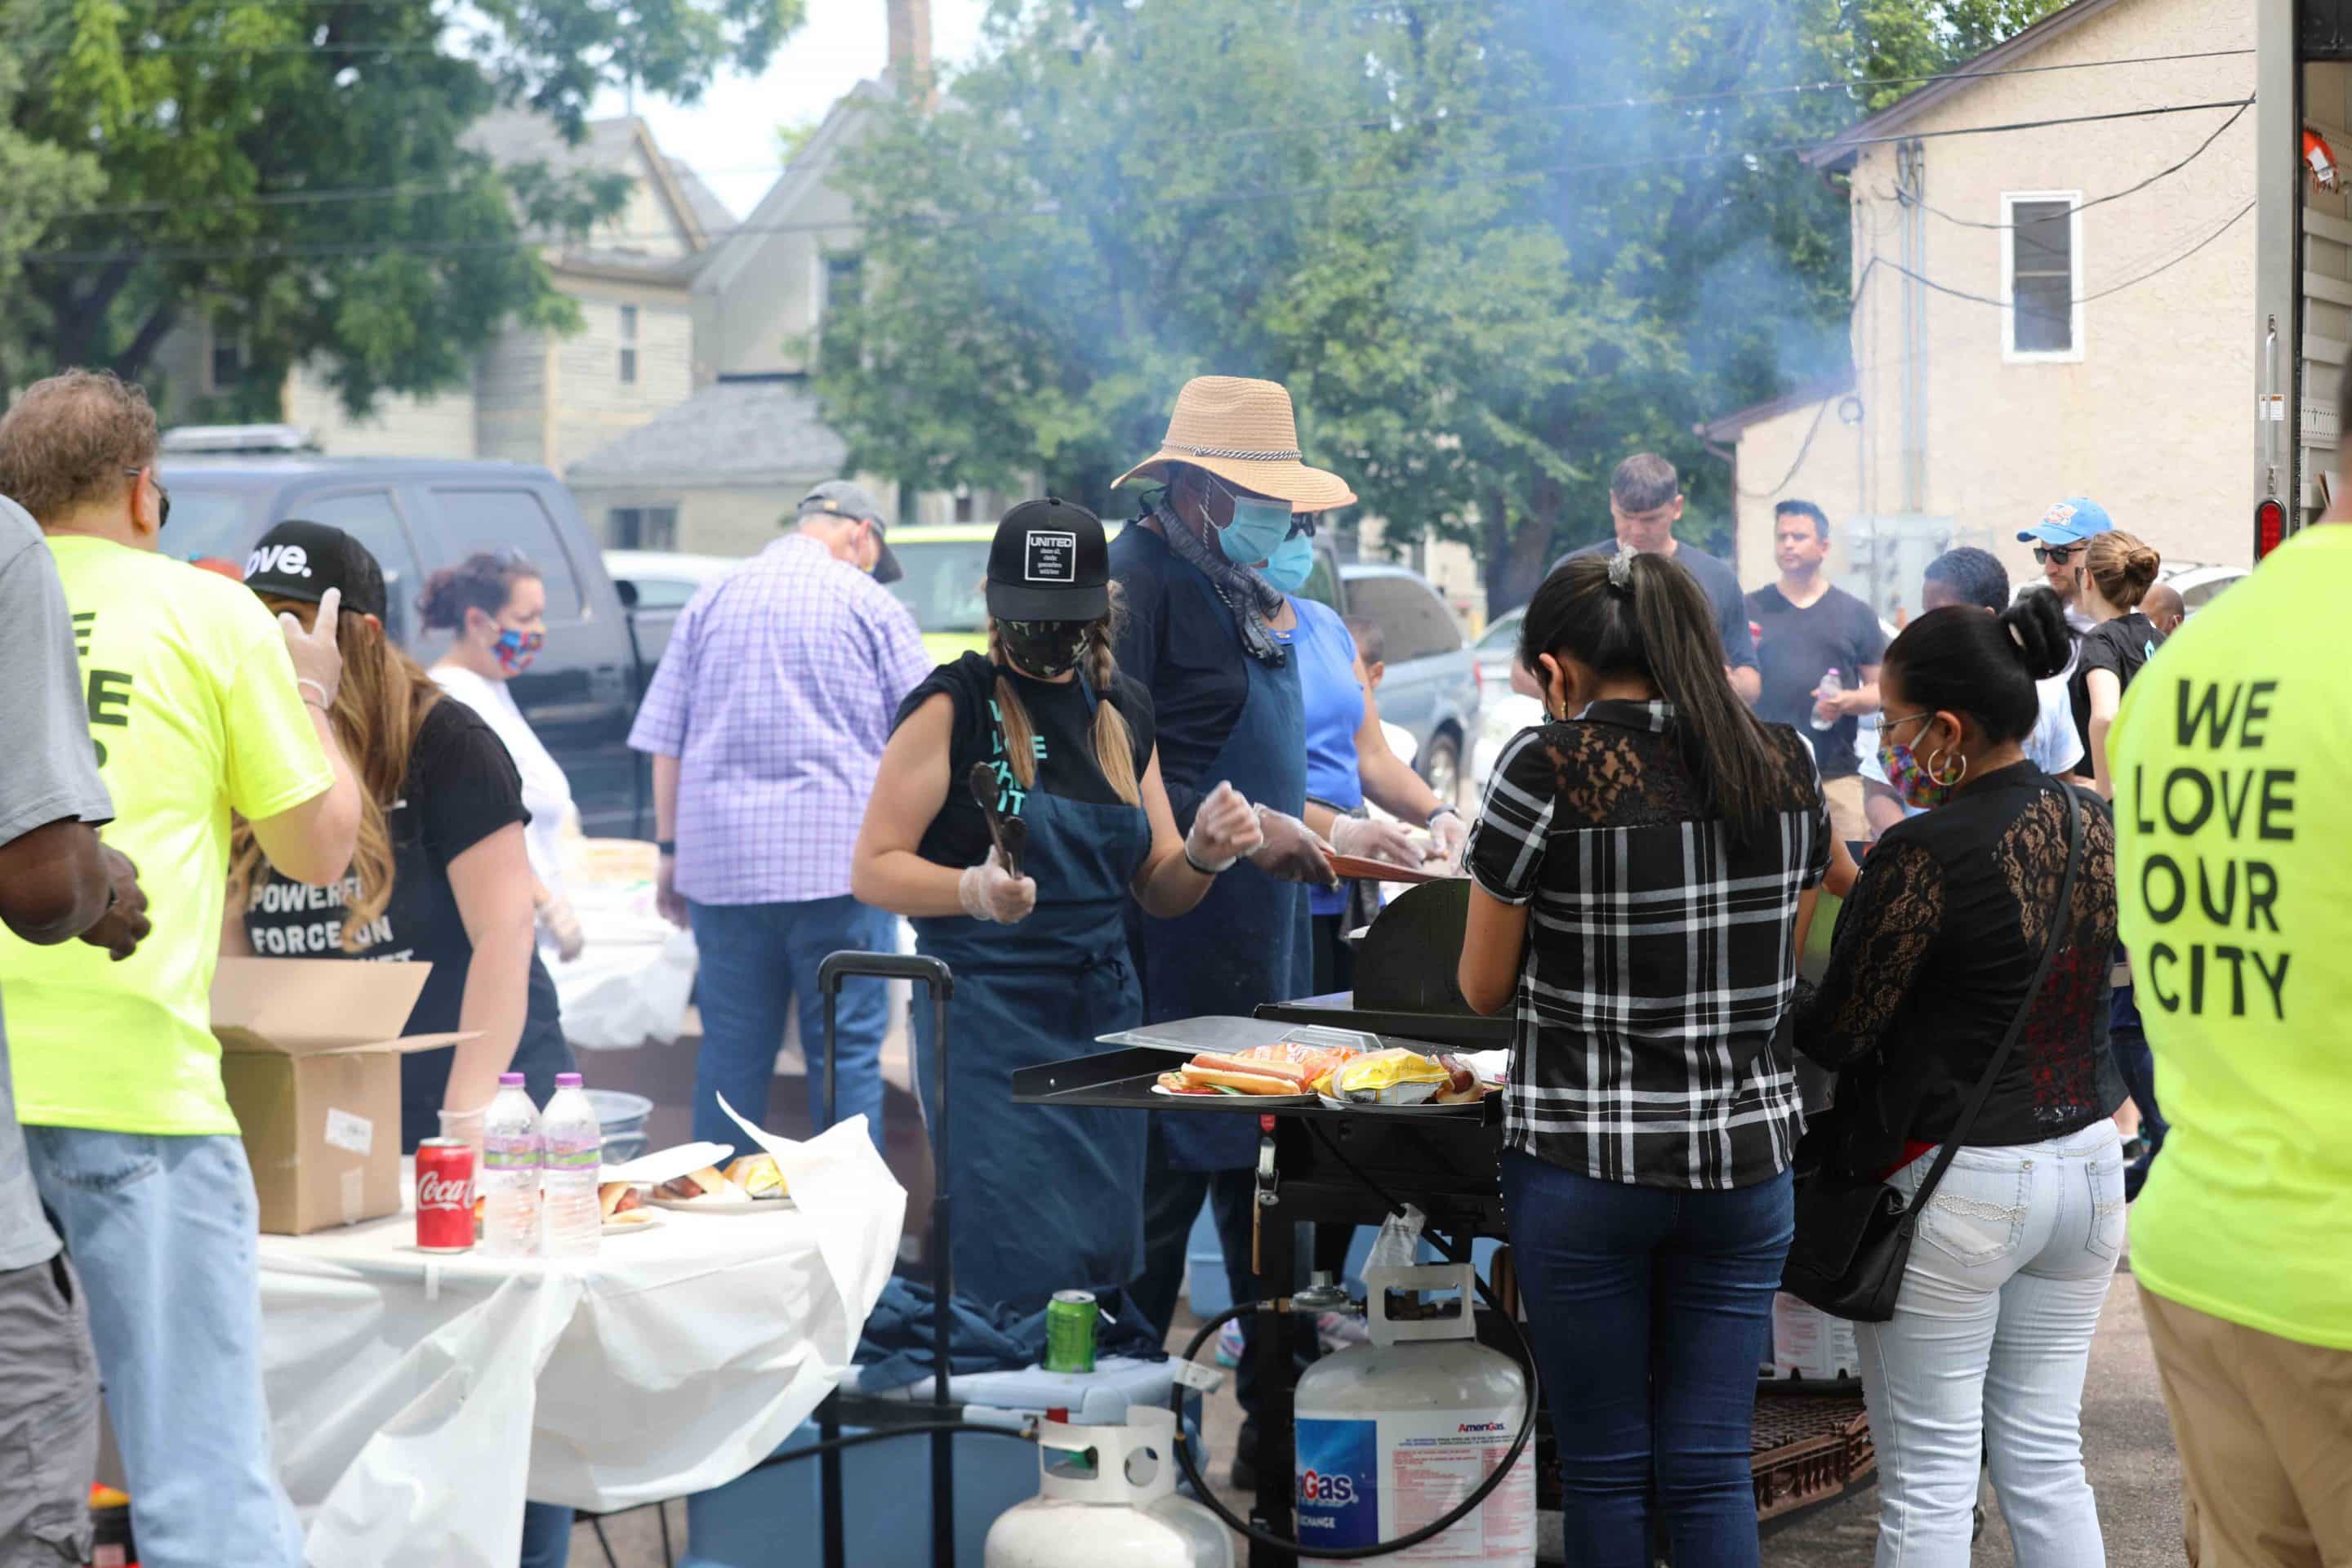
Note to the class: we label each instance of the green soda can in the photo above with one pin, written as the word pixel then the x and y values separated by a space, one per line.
pixel 1070 1332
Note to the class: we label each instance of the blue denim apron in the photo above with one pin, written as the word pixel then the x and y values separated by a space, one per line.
pixel 1251 940
pixel 1046 1199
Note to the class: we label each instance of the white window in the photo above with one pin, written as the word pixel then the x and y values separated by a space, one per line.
pixel 628 345
pixel 2042 275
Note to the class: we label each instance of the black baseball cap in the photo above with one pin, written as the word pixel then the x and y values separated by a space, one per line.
pixel 845 498
pixel 299 560
pixel 1049 563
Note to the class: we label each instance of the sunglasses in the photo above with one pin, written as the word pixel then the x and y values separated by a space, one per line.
pixel 2043 554
pixel 163 496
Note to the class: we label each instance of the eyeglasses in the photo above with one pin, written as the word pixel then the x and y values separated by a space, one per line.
pixel 1885 724
pixel 2062 553
pixel 163 496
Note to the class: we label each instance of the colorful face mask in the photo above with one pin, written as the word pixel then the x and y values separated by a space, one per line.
pixel 1909 777
pixel 1046 650
pixel 515 650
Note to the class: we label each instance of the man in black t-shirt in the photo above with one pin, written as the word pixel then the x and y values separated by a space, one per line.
pixel 1807 630
pixel 1645 502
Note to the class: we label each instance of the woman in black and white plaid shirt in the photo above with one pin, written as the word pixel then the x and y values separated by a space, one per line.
pixel 1643 868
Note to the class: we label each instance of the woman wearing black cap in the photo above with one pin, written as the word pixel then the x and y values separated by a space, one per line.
pixel 1040 950
pixel 441 875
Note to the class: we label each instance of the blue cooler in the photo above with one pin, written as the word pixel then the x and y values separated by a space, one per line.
pixel 771 1517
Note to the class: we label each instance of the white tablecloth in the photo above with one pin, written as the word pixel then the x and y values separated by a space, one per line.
pixel 418 1400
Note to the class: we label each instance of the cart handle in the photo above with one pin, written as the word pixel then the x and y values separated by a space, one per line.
pixel 840 966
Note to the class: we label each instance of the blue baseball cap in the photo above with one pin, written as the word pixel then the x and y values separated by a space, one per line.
pixel 2069 522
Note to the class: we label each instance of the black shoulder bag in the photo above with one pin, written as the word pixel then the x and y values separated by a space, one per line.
pixel 1854 1234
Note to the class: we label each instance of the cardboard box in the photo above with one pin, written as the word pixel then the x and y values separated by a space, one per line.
pixel 311 1056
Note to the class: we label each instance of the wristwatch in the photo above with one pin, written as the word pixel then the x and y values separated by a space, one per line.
pixel 1442 811
pixel 669 848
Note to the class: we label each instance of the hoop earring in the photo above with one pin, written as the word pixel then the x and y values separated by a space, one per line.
pixel 1935 772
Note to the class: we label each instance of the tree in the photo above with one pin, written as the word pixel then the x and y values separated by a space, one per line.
pixel 296 168
pixel 1493 248
pixel 37 182
pixel 1117 199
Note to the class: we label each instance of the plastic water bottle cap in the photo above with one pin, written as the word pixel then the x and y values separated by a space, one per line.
pixel 563 1079
pixel 509 1081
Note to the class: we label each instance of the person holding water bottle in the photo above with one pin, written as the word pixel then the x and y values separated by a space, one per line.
pixel 441 876
pixel 1820 647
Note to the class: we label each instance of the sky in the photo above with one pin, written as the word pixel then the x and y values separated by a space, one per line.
pixel 730 137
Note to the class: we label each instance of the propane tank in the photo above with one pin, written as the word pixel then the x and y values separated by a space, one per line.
pixel 1120 1509
pixel 1392 1434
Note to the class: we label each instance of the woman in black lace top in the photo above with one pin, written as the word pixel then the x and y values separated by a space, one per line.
pixel 1643 865
pixel 1933 956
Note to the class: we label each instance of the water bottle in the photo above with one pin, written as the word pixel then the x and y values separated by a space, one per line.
pixel 1831 688
pixel 572 1222
pixel 511 1172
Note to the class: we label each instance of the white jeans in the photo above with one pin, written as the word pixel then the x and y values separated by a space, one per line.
pixel 1988 1348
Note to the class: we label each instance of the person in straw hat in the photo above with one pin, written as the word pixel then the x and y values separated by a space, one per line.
pixel 1224 534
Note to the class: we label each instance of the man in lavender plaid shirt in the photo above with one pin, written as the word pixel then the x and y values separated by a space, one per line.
pixel 766 722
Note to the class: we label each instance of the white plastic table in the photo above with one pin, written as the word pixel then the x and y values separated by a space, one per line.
pixel 418 1400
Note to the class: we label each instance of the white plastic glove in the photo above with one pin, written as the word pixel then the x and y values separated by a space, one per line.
pixel 1223 830
pixel 1367 838
pixel 990 893
pixel 1448 836
pixel 1291 852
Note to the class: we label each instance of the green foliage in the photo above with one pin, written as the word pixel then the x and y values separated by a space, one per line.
pixel 1492 248
pixel 295 170
pixel 1108 207
pixel 37 181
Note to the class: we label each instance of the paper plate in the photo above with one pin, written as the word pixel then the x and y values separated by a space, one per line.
pixel 623 1227
pixel 708 1204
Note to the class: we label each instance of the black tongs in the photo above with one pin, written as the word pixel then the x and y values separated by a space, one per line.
pixel 1010 833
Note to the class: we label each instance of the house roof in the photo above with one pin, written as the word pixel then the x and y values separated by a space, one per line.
pixel 1840 150
pixel 807 171
pixel 621 146
pixel 742 431
pixel 715 216
pixel 1727 427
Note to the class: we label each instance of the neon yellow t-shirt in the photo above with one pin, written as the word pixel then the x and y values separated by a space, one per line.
pixel 194 707
pixel 2232 760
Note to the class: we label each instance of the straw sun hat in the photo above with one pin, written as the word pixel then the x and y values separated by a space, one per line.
pixel 1243 431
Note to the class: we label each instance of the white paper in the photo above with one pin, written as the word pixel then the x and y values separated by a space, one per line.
pixel 668 1164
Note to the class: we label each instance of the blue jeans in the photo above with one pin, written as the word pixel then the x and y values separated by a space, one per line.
pixel 546 1535
pixel 757 961
pixel 162 1233
pixel 1650 1309
pixel 2127 1037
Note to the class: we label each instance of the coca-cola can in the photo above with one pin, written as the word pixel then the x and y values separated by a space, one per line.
pixel 445 1196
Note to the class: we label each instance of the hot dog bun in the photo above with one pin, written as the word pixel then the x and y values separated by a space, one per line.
pixel 617 1198
pixel 758 1175
pixel 1296 1078
pixel 1243 1080
pixel 694 1185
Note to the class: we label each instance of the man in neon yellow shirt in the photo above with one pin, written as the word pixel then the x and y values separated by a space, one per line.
pixel 200 706
pixel 2232 761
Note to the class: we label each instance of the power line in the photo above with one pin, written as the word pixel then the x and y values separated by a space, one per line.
pixel 1050 210
pixel 1921 278
pixel 1905 194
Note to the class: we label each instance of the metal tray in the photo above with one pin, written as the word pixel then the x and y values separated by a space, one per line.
pixel 1122 1080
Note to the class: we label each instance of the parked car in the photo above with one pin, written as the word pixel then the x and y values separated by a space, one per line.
pixel 419 515
pixel 1432 684
pixel 654 585
pixel 2198 585
pixel 1497 649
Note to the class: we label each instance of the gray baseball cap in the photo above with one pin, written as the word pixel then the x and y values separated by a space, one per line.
pixel 843 498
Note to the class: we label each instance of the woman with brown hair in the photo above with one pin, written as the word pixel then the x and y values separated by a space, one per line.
pixel 441 875
pixel 2115 573
pixel 1039 946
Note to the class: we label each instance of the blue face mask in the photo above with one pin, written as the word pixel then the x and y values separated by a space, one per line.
pixel 1256 532
pixel 1292 562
